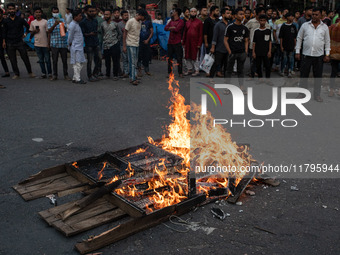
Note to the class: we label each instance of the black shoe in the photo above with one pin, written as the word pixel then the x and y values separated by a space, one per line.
pixel 301 95
pixel 80 82
pixel 6 75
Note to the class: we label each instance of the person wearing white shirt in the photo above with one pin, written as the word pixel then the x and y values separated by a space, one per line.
pixel 316 42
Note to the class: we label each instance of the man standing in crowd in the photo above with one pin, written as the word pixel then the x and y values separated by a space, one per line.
pixel 68 16
pixel 89 27
pixel 58 44
pixel 262 47
pixel 316 41
pixel 276 32
pixel 2 50
pixel 288 33
pixel 175 26
pixel 203 14
pixel 131 43
pixel 192 41
pixel 13 34
pixel 252 25
pixel 307 17
pixel 236 41
pixel 116 15
pixel 76 43
pixel 247 16
pixel 144 54
pixel 335 56
pixel 121 25
pixel 111 43
pixel 208 27
pixel 217 45
pixel 38 29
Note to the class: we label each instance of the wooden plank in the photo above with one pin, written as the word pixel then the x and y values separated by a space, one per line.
pixel 73 190
pixel 136 225
pixel 89 223
pixel 45 173
pixel 51 215
pixel 26 189
pixel 51 189
pixel 240 188
pixel 78 175
pixel 42 180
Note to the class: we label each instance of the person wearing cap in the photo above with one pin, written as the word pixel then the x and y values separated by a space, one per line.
pixel 288 33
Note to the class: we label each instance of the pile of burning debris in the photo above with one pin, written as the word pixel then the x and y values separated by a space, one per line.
pixel 149 182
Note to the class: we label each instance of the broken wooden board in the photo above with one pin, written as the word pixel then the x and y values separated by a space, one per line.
pixel 133 226
pixel 98 213
pixel 241 186
pixel 50 181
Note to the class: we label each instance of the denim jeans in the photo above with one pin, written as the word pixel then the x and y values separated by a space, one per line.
pixel 114 54
pixel 44 58
pixel 132 52
pixel 124 60
pixel 288 60
pixel 93 54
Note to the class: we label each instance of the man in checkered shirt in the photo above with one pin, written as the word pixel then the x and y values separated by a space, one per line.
pixel 58 44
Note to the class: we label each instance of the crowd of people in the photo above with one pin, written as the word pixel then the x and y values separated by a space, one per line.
pixel 274 40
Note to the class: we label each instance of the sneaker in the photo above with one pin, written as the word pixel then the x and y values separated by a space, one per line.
pixel 80 82
pixel 15 77
pixel 6 75
pixel 54 78
pixel 331 93
pixel 197 73
pixel 32 75
pixel 93 79
pixel 318 99
pixel 43 76
pixel 67 78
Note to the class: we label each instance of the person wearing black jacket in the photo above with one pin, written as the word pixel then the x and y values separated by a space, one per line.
pixel 13 34
pixel 2 50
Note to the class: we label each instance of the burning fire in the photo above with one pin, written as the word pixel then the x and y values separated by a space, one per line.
pixel 199 144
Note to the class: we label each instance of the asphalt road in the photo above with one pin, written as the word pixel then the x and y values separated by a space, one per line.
pixel 77 121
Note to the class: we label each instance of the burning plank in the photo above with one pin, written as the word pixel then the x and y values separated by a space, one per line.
pixel 136 225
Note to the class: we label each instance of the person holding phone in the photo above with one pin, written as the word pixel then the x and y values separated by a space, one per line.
pixel 38 29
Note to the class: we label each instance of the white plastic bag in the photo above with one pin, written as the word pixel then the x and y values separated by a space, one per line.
pixel 207 63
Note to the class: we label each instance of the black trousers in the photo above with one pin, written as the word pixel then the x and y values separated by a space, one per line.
pixel 221 62
pixel 144 56
pixel 266 63
pixel 55 55
pixel 335 69
pixel 240 58
pixel 3 59
pixel 114 54
pixel 178 51
pixel 306 64
pixel 12 54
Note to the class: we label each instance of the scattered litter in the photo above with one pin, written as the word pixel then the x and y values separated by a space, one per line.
pixel 284 181
pixel 336 208
pixel 265 186
pixel 277 190
pixel 188 225
pixel 294 188
pixel 223 203
pixel 250 192
pixel 37 139
pixel 218 213
pixel 324 206
pixel 240 211
pixel 272 182
pixel 53 200
pixel 68 144
pixel 265 230
pixel 239 203
pixel 217 202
